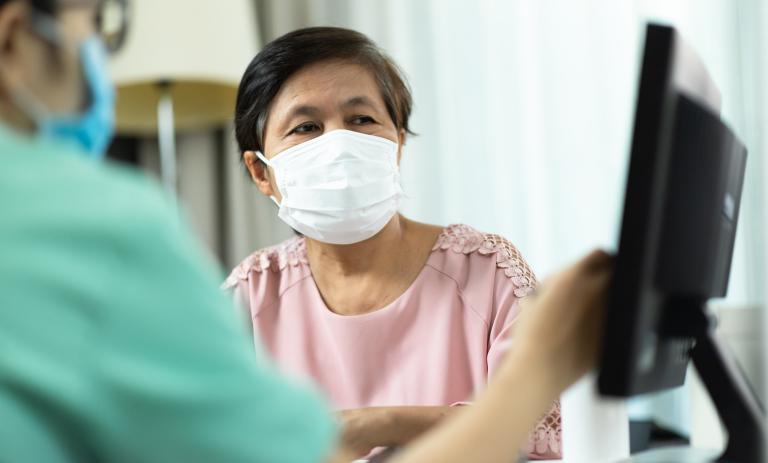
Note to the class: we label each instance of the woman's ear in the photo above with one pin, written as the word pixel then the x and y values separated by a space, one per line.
pixel 15 52
pixel 401 137
pixel 259 173
pixel 12 29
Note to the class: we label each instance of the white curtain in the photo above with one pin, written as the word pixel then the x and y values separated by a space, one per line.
pixel 524 110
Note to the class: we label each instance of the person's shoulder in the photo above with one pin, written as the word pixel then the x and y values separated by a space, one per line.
pixel 130 208
pixel 272 262
pixel 135 192
pixel 127 215
pixel 70 197
pixel 107 233
pixel 476 259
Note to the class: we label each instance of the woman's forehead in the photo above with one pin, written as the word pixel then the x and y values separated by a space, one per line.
pixel 329 83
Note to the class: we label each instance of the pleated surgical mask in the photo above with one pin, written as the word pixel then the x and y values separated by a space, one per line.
pixel 342 187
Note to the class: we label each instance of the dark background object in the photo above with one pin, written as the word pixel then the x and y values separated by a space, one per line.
pixel 681 209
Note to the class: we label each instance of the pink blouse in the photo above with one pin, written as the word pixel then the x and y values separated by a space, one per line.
pixel 436 344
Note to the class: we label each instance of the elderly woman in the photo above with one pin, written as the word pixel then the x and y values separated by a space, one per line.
pixel 396 321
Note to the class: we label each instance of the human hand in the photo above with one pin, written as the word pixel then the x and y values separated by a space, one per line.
pixel 367 428
pixel 561 324
pixel 364 429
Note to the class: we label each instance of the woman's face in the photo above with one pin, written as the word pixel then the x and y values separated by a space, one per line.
pixel 318 99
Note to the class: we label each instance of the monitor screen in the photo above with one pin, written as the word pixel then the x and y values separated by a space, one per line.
pixel 681 207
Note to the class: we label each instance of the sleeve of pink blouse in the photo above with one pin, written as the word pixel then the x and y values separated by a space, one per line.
pixel 243 305
pixel 514 281
pixel 506 311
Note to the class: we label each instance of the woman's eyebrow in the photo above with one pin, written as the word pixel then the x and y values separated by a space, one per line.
pixel 358 101
pixel 293 113
pixel 302 110
pixel 313 111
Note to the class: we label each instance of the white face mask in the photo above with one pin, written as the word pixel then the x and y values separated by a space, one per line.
pixel 342 187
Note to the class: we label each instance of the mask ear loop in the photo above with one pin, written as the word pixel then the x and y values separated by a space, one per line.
pixel 269 164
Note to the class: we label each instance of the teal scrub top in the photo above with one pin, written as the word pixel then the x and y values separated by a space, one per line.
pixel 115 342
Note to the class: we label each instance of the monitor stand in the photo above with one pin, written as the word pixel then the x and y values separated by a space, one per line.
pixel 737 405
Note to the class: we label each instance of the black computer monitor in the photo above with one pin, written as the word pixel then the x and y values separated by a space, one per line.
pixel 681 208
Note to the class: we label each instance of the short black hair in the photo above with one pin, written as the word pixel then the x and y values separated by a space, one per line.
pixel 45 6
pixel 286 55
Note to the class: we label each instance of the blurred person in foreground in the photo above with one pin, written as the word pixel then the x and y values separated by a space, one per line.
pixel 115 343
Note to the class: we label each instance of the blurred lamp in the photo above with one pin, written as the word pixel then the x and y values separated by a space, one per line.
pixel 179 69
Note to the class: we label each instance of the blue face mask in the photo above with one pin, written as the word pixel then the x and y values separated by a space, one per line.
pixel 91 130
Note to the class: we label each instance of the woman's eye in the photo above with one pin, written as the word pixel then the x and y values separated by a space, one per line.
pixel 306 127
pixel 363 120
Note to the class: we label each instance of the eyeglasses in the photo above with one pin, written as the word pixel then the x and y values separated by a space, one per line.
pixel 111 20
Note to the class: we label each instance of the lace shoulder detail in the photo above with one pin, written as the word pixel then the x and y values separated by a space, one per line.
pixel 546 440
pixel 464 239
pixel 276 258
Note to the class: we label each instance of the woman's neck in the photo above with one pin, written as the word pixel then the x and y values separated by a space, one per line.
pixel 363 277
pixel 381 253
